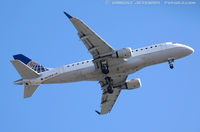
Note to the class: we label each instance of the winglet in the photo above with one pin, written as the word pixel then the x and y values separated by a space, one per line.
pixel 97 112
pixel 68 15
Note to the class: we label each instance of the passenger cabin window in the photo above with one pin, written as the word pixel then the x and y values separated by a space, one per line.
pixel 72 64
pixel 82 62
pixel 151 47
pixel 146 48
pixel 141 49
pixel 136 50
pixel 68 66
pixel 155 45
pixel 77 63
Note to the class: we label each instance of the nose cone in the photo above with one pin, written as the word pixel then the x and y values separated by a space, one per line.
pixel 182 50
pixel 188 50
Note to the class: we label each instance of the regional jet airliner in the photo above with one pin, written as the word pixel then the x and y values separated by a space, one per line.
pixel 109 67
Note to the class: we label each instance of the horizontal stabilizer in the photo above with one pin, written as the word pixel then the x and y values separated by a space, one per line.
pixel 29 90
pixel 25 71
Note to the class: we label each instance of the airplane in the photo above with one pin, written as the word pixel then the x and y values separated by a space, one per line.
pixel 109 67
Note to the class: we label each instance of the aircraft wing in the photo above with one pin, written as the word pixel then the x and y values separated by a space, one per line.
pixel 95 45
pixel 108 100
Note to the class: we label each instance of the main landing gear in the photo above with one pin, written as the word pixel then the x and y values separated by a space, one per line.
pixel 104 67
pixel 109 82
pixel 170 61
pixel 105 70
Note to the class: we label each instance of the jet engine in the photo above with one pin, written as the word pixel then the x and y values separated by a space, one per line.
pixel 123 53
pixel 133 84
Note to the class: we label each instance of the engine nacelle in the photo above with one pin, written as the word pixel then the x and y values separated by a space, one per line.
pixel 123 53
pixel 133 84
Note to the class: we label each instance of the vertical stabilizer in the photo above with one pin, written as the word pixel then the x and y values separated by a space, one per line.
pixel 25 71
pixel 30 63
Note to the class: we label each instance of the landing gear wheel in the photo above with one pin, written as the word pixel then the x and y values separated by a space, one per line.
pixel 109 89
pixel 109 83
pixel 104 69
pixel 171 66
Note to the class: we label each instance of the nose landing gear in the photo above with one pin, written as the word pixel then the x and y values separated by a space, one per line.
pixel 170 61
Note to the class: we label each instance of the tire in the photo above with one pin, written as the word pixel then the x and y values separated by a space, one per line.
pixel 110 90
pixel 104 69
pixel 171 66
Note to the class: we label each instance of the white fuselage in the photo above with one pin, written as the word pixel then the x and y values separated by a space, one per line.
pixel 142 57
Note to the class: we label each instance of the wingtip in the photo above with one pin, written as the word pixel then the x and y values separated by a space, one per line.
pixel 69 16
pixel 98 112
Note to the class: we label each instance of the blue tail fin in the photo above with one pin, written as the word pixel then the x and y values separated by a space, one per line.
pixel 35 66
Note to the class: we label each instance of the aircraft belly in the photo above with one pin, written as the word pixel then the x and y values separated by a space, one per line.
pixel 128 67
pixel 85 74
pixel 131 65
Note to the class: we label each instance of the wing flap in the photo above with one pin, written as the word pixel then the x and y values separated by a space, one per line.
pixel 95 44
pixel 108 99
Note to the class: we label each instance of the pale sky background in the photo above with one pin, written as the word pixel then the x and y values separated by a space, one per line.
pixel 169 100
